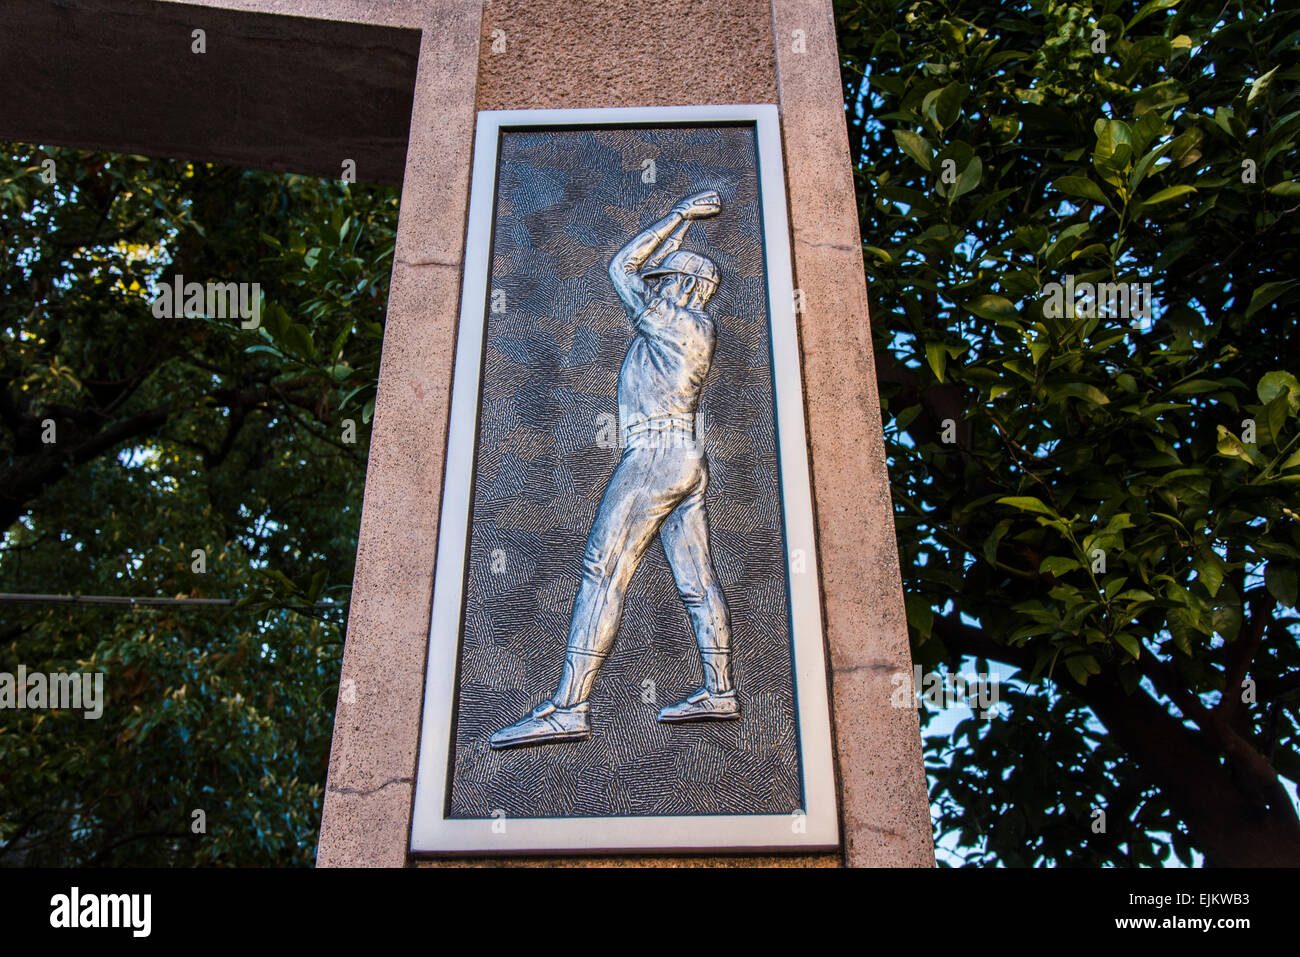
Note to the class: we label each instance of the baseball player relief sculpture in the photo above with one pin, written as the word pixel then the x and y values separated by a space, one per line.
pixel 657 488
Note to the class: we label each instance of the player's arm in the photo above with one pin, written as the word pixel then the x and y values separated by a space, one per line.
pixel 625 268
pixel 669 245
pixel 657 242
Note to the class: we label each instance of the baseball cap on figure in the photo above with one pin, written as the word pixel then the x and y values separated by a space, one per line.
pixel 688 264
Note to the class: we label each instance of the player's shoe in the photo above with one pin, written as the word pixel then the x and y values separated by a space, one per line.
pixel 703 706
pixel 546 723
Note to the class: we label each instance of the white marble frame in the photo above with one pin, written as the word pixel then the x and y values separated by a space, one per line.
pixel 817 828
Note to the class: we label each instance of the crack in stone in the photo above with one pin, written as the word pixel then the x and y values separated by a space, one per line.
pixel 869 666
pixel 843 249
pixel 427 262
pixel 362 791
pixel 880 830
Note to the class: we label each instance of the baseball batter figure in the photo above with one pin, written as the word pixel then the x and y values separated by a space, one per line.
pixel 658 487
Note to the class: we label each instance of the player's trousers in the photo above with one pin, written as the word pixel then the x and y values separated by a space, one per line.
pixel 657 489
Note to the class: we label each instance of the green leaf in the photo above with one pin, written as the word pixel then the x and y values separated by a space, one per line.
pixel 1006 127
pixel 1260 87
pixel 917 147
pixel 1079 186
pixel 340 373
pixel 336 350
pixel 270 350
pixel 275 321
pixel 1080 390
pixel 299 341
pixel 1267 293
pixel 1028 503
pixel 1281 583
pixel 1196 387
pixel 1114 144
pixel 317 584
pixel 1148 127
pixel 1186 147
pixel 968 179
pixel 995 537
pixel 1145 163
pixel 991 306
pixel 361 388
pixel 1120 521
pixel 1167 194
pixel 1033 237
pixel 920 614
pixel 1057 565
pixel 1209 570
pixel 1274 421
pixel 1148 8
pixel 280 582
pixel 1225 118
pixel 1129 644
pixel 943 106
pixel 1276 383
pixel 1286 190
pixel 936 353
pixel 1231 446
pixel 1081 667
pixel 907 416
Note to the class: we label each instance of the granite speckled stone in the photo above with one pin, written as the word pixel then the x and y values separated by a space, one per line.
pixel 560 55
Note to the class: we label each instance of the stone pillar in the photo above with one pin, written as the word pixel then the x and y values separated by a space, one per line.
pixel 520 54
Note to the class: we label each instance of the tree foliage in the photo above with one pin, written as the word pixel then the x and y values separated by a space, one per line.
pixel 172 435
pixel 1103 498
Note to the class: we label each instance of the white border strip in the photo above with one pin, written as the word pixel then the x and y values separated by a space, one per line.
pixel 819 826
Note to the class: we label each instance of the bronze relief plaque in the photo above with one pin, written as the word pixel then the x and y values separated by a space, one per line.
pixel 626 648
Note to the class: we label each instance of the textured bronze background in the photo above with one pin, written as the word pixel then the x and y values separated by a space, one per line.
pixel 566 202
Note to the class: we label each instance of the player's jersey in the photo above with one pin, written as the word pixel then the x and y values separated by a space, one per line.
pixel 667 363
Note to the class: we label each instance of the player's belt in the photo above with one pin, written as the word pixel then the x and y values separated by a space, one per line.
pixel 684 422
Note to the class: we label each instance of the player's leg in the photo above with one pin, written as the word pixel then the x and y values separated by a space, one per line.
pixel 638 498
pixel 626 522
pixel 685 536
pixel 645 488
